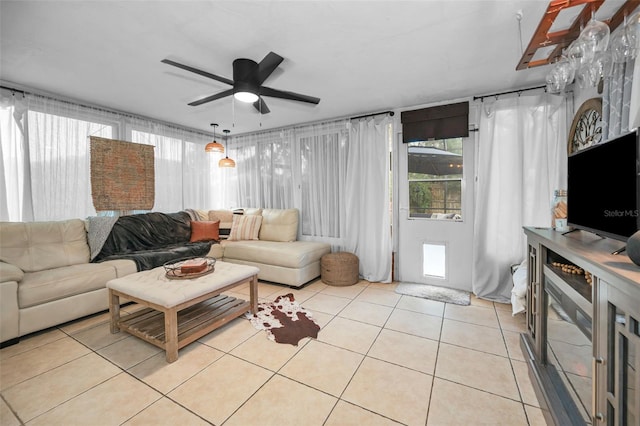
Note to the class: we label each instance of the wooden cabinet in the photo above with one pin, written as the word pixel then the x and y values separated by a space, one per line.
pixel 583 334
pixel 617 365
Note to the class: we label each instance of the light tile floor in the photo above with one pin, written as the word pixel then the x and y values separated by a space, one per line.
pixel 381 358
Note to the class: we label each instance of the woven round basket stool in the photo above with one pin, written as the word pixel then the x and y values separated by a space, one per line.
pixel 339 269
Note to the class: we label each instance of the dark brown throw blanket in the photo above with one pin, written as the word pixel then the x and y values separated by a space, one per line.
pixel 151 239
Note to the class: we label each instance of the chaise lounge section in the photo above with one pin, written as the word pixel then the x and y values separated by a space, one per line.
pixel 275 250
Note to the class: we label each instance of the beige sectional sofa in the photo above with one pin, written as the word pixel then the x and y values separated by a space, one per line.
pixel 46 278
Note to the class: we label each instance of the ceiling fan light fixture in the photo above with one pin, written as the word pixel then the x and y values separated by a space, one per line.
pixel 247 97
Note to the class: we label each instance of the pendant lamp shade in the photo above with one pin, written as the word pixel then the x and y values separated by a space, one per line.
pixel 214 146
pixel 226 161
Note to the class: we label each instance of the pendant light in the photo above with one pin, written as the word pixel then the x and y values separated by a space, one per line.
pixel 226 161
pixel 214 146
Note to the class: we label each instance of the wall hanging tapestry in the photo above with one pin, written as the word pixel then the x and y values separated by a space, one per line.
pixel 284 320
pixel 122 175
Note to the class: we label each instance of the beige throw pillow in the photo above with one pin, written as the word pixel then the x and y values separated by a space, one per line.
pixel 245 227
pixel 279 225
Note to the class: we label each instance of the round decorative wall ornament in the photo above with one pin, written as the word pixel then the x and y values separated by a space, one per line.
pixel 586 129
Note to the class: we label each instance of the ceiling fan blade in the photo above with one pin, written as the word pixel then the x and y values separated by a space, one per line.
pixel 197 71
pixel 261 106
pixel 268 65
pixel 212 97
pixel 267 91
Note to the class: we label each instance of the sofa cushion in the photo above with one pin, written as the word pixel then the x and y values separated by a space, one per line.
pixel 54 284
pixel 279 225
pixel 9 272
pixel 122 266
pixel 296 254
pixel 205 231
pixel 216 250
pixel 252 211
pixel 39 246
pixel 245 227
pixel 202 214
pixel 224 216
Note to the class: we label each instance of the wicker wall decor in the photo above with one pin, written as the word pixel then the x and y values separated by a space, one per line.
pixel 122 175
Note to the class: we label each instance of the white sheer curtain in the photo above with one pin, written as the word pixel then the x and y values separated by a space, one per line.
pixel 522 157
pixel 168 165
pixel 60 158
pixel 184 172
pixel 323 155
pixel 45 159
pixel 265 169
pixel 196 176
pixel 15 176
pixel 368 223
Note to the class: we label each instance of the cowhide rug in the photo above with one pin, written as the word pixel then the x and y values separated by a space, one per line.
pixel 284 320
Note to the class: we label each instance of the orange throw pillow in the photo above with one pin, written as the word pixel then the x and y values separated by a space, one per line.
pixel 205 231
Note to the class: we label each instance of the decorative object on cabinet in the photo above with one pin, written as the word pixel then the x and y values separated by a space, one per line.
pixel 586 129
pixel 633 248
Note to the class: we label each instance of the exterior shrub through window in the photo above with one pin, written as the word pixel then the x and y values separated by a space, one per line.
pixel 435 179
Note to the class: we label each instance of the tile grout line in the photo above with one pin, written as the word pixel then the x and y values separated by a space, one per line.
pixel 513 371
pixel 435 365
pixel 126 371
pixel 277 372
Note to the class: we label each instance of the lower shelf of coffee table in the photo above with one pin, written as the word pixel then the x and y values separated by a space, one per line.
pixel 193 322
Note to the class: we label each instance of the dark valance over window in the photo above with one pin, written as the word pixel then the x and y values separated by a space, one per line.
pixel 440 122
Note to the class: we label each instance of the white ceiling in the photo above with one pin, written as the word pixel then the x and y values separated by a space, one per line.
pixel 357 56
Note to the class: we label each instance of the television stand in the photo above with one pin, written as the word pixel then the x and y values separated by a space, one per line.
pixel 577 229
pixel 583 371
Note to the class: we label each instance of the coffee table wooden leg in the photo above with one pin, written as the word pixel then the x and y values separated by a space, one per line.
pixel 253 294
pixel 114 311
pixel 171 334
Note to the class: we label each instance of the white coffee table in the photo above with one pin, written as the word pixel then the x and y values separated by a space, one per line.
pixel 179 312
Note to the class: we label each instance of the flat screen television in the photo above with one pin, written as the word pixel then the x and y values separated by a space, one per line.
pixel 603 184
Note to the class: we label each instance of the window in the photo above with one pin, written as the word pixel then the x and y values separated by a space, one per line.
pixel 435 179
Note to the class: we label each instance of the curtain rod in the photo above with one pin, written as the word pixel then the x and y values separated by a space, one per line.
pixel 22 92
pixel 508 92
pixel 391 113
pixel 102 109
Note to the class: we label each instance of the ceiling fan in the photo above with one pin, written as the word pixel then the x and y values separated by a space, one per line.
pixel 248 77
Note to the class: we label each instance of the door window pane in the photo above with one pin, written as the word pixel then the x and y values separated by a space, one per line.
pixel 435 179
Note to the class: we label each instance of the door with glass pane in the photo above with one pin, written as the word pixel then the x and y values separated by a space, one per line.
pixel 435 212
